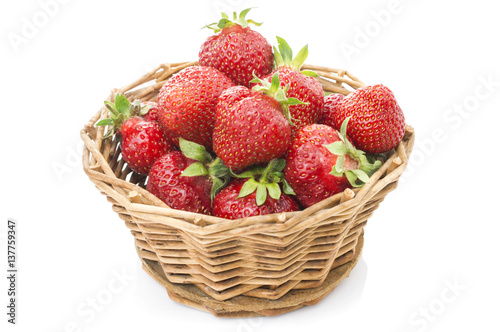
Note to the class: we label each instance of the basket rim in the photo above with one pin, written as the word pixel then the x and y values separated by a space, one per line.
pixel 349 199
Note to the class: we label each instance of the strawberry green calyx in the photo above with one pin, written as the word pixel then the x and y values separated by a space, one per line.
pixel 225 22
pixel 274 90
pixel 205 165
pixel 357 177
pixel 283 56
pixel 121 110
pixel 265 180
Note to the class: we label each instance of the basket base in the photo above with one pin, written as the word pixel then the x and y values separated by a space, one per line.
pixel 245 306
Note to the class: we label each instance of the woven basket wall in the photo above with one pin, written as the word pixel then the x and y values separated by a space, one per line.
pixel 262 257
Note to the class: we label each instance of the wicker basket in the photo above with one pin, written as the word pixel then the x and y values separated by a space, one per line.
pixel 263 265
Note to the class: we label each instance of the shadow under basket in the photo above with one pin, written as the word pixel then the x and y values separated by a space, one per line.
pixel 257 266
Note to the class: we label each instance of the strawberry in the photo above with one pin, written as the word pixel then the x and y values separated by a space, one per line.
pixel 322 162
pixel 184 193
pixel 142 141
pixel 188 179
pixel 237 50
pixel 251 126
pixel 330 109
pixel 377 123
pixel 187 101
pixel 247 195
pixel 302 85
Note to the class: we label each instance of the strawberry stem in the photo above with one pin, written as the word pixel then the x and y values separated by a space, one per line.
pixel 225 22
pixel 268 181
pixel 357 177
pixel 270 167
pixel 205 165
pixel 283 56
pixel 274 90
pixel 119 111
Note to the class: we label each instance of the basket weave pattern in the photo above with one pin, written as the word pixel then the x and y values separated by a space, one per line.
pixel 262 257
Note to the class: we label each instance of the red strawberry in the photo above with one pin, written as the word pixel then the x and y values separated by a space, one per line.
pixel 377 123
pixel 330 109
pixel 248 196
pixel 302 85
pixel 142 141
pixel 321 163
pixel 187 103
pixel 188 180
pixel 152 114
pixel 179 192
pixel 250 126
pixel 237 50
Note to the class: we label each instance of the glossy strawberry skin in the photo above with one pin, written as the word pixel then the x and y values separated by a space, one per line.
pixel 306 89
pixel 143 142
pixel 179 192
pixel 309 165
pixel 187 104
pixel 377 123
pixel 330 109
pixel 250 128
pixel 238 52
pixel 228 205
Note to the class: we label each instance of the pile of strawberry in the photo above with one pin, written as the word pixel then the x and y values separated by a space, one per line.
pixel 248 133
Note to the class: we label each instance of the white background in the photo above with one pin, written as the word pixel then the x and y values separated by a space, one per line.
pixel 430 261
